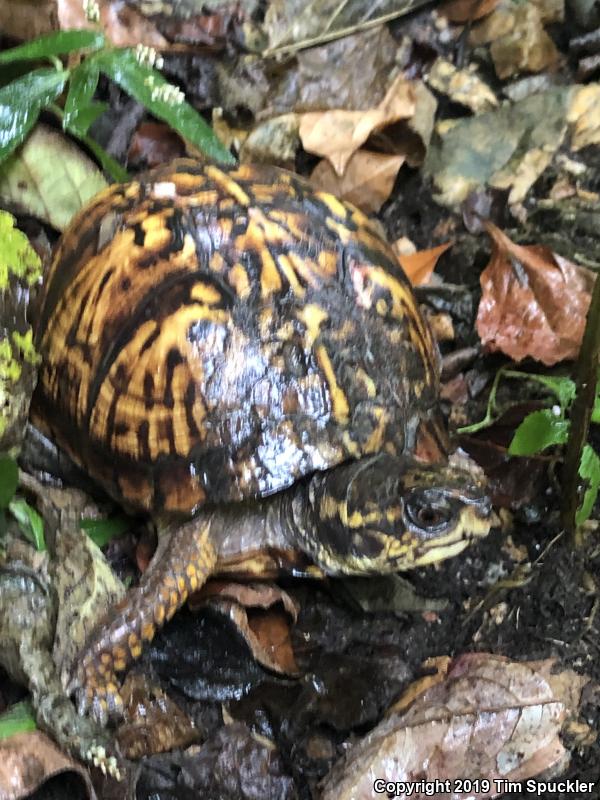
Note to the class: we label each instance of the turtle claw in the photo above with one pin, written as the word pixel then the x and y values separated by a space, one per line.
pixel 97 693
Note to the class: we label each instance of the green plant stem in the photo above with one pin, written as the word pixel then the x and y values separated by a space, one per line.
pixel 586 374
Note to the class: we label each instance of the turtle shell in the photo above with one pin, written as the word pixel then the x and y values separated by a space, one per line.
pixel 212 334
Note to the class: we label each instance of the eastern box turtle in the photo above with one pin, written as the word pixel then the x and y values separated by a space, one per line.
pixel 234 351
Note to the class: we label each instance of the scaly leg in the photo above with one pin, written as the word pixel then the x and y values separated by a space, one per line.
pixel 182 563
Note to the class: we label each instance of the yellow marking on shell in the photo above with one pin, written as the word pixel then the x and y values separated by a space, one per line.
pixel 270 280
pixel 327 260
pixel 312 316
pixel 106 658
pixel 285 332
pixel 157 235
pixel 366 381
pixel 286 266
pixel 350 446
pixel 206 198
pixel 216 263
pixel 170 613
pixel 174 599
pixel 193 580
pixel 205 293
pixel 381 306
pixel 159 614
pixel 238 278
pixel 186 182
pixel 170 582
pixel 377 438
pixel 404 306
pixel 135 647
pixel 229 185
pixel 119 664
pixel 307 268
pixel 339 402
pixel 338 229
pixel 147 632
pixel 337 208
pixel 119 652
pixel 181 587
pixel 393 514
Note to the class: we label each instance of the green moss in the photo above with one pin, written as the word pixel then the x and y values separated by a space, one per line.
pixel 10 368
pixel 25 344
pixel 17 257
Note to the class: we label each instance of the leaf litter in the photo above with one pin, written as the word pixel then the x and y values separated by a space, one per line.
pixel 497 131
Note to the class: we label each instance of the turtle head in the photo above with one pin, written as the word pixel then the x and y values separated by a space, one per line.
pixel 386 513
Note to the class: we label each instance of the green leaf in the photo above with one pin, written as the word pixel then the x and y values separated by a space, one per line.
pixel 101 531
pixel 80 111
pixel 17 256
pixel 147 85
pixel 589 472
pixel 539 430
pixel 29 521
pixel 21 102
pixel 9 480
pixel 563 388
pixel 54 44
pixel 18 719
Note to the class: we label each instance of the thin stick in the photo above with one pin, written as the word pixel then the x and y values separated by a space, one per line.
pixel 586 375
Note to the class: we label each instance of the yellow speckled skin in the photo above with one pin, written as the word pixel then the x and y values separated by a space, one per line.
pixel 211 335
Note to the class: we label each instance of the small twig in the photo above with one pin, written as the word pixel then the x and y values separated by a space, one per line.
pixel 586 375
pixel 408 6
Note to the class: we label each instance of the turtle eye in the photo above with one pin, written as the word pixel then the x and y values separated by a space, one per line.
pixel 429 513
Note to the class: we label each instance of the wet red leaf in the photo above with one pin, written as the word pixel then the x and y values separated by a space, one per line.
pixel 534 302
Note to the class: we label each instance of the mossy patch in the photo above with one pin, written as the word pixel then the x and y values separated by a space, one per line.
pixel 17 257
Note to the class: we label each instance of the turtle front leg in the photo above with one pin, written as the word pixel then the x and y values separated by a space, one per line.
pixel 182 563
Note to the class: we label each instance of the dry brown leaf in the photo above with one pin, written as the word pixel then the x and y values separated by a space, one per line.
pixel 467 10
pixel 122 24
pixel 27 760
pixel 584 116
pixel 489 718
pixel 251 607
pixel 154 143
pixel 419 266
pixel 337 134
pixel 367 182
pixel 518 40
pixel 534 302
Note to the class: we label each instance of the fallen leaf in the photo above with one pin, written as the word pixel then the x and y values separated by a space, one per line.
pixel 49 177
pixel 28 19
pixel 367 181
pixel 519 42
pixel 584 116
pixel 534 302
pixel 155 143
pixel 28 760
pixel 419 266
pixel 252 609
pixel 488 718
pixel 337 134
pixel 475 151
pixel 122 24
pixel 462 86
pixel 275 141
pixel 154 723
pixel 467 10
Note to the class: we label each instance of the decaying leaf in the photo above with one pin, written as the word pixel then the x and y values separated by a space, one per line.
pixel 252 609
pixel 534 302
pixel 488 717
pixel 495 145
pixel 122 24
pixel 462 86
pixel 467 10
pixel 337 134
pixel 274 141
pixel 367 182
pixel 584 115
pixel 49 177
pixel 154 723
pixel 28 760
pixel 419 266
pixel 155 143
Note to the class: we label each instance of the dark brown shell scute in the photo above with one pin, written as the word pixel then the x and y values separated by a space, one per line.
pixel 235 332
